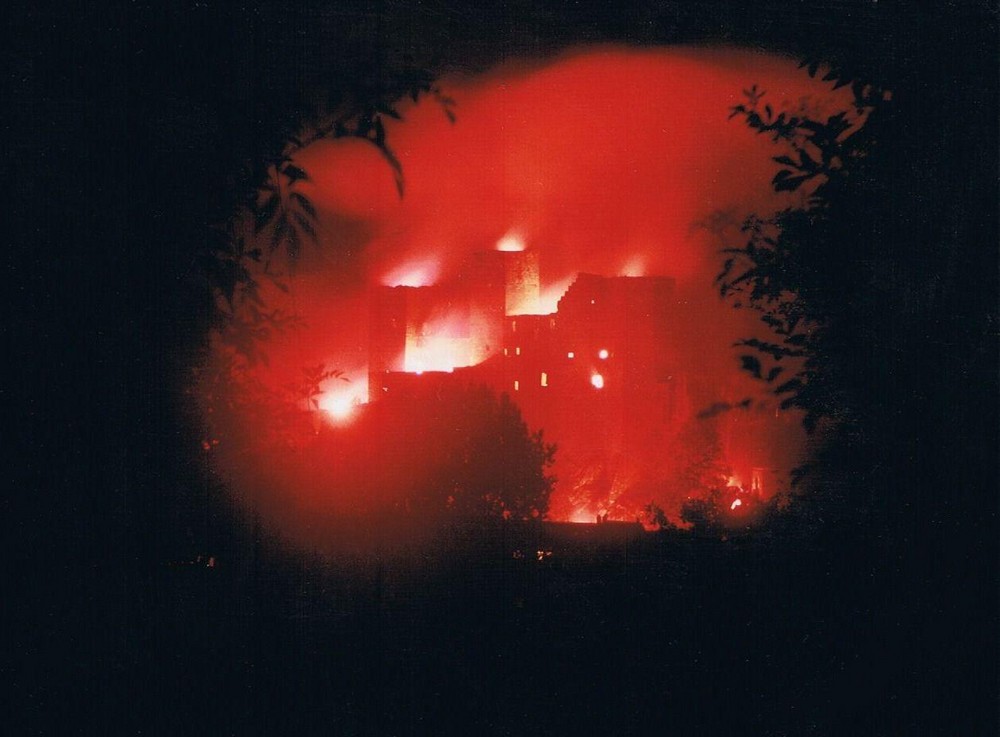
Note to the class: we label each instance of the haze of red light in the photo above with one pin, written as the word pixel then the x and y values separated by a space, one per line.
pixel 609 161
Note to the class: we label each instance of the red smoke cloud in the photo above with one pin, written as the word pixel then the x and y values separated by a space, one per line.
pixel 609 161
pixel 602 160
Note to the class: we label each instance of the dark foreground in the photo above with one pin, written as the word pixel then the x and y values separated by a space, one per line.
pixel 556 630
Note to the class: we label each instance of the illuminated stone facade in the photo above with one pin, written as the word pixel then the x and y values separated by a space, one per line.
pixel 602 376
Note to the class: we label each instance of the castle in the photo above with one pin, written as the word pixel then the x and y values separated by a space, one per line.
pixel 601 375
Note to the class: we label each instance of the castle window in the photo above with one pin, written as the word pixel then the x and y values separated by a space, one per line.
pixel 571 355
pixel 545 379
pixel 603 354
pixel 517 351
pixel 513 326
pixel 517 385
pixel 597 381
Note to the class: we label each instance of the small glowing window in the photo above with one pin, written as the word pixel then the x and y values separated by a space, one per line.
pixel 513 326
pixel 602 354
pixel 545 379
pixel 571 355
pixel 597 381
pixel 517 351
pixel 593 302
pixel 517 385
pixel 505 351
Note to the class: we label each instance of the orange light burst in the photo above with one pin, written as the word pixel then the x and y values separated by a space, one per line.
pixel 442 344
pixel 511 242
pixel 419 274
pixel 635 266
pixel 437 353
pixel 340 402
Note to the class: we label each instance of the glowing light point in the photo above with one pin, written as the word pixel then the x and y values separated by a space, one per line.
pixel 571 355
pixel 597 381
pixel 603 354
pixel 736 503
pixel 338 406
pixel 414 274
pixel 634 267
pixel 510 242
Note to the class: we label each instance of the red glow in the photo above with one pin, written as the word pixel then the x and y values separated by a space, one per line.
pixel 540 155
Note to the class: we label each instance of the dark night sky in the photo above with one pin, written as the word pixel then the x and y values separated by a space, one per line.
pixel 124 121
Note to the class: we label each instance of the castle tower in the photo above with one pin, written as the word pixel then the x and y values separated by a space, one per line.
pixel 522 282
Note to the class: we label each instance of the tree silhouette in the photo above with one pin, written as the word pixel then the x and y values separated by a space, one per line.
pixel 260 235
pixel 804 268
pixel 477 457
pixel 262 224
pixel 870 283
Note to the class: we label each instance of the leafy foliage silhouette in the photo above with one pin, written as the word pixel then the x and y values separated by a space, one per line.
pixel 493 465
pixel 798 267
pixel 261 237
